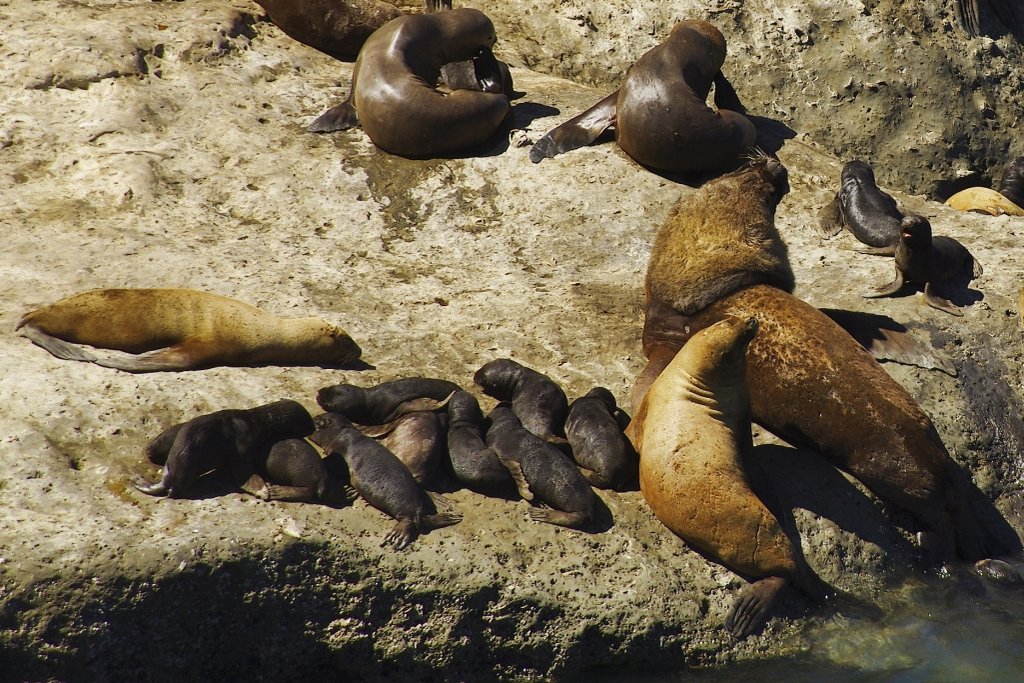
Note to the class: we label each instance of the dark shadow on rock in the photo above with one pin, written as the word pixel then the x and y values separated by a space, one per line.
pixel 358 365
pixel 525 113
pixel 771 133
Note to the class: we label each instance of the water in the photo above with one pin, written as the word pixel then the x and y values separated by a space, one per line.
pixel 931 632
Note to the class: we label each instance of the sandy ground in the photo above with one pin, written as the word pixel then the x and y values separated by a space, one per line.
pixel 163 144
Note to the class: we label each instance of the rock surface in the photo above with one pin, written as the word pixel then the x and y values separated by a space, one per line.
pixel 155 144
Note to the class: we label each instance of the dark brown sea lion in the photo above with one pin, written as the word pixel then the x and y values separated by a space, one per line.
pixel 473 463
pixel 386 401
pixel 181 329
pixel 659 112
pixel 810 382
pixel 551 476
pixel 1012 184
pixel 295 471
pixel 600 448
pixel 992 18
pixel 394 95
pixel 235 442
pixel 336 27
pixel 537 401
pixel 870 214
pixel 382 480
pixel 692 431
pixel 930 261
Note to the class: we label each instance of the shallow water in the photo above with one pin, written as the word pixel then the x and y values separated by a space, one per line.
pixel 931 632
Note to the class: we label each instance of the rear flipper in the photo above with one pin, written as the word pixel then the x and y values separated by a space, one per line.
pixel 441 519
pixel 157 489
pixel 573 520
pixel 171 359
pixel 578 131
pixel 752 608
pixel 57 347
pixel 939 303
pixel 830 219
pixel 888 250
pixel 341 117
pixel 403 533
pixel 295 494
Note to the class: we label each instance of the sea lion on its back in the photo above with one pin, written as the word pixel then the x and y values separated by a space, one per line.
pixel 394 95
pixel 810 382
pixel 692 431
pixel 659 112
pixel 181 329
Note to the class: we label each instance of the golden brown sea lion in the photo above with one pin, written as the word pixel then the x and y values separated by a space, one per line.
pixel 181 329
pixel 394 95
pixel 810 382
pixel 659 113
pixel 984 200
pixel 692 431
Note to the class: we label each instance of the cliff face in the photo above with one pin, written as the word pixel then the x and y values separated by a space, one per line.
pixel 163 144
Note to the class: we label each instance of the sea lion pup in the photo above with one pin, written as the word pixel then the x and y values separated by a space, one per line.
pixel 604 455
pixel 542 472
pixel 233 441
pixel 659 112
pixel 181 329
pixel 335 27
pixel 1012 184
pixel 394 95
pixel 810 383
pixel 928 260
pixel 862 208
pixel 473 463
pixel 294 471
pixel 992 18
pixel 692 431
pixel 382 480
pixel 417 439
pixel 536 400
pixel 387 401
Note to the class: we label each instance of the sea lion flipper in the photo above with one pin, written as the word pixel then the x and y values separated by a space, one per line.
pixel 516 471
pixel 403 533
pixel 976 269
pixel 57 347
pixel 169 359
pixel 431 6
pixel 150 489
pixel 726 96
pixel 340 117
pixel 255 485
pixel 830 218
pixel 939 303
pixel 891 288
pixel 885 339
pixel 577 131
pixel 572 520
pixel 751 608
pixel 441 519
pixel 887 250
pixel 294 494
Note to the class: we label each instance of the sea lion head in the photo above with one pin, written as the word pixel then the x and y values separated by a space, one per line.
pixel 858 169
pixel 463 407
pixel 714 37
pixel 720 345
pixel 498 377
pixel 464 31
pixel 341 398
pixel 1012 185
pixel 331 344
pixel 916 231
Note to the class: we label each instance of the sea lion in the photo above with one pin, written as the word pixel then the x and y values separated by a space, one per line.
pixel 862 208
pixel 335 27
pixel 984 200
pixel 473 463
pixel 692 431
pixel 600 448
pixel 417 439
pixel 294 471
pixel 659 112
pixel 181 329
pixel 992 18
pixel 233 441
pixel 551 477
pixel 810 383
pixel 387 401
pixel 382 480
pixel 536 400
pixel 394 95
pixel 930 261
pixel 1012 184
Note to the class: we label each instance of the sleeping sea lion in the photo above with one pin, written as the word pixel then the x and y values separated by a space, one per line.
pixel 394 95
pixel 542 472
pixel 984 200
pixel 181 329
pixel 473 463
pixel 600 448
pixel 387 401
pixel 537 401
pixel 417 439
pixel 659 112
pixel 335 27
pixel 382 480
pixel 235 442
pixel 862 208
pixel 692 431
pixel 810 383
pixel 295 471
pixel 928 260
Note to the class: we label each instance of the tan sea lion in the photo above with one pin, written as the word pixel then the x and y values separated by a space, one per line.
pixel 659 112
pixel 394 95
pixel 930 261
pixel 810 382
pixel 692 431
pixel 181 329
pixel 984 200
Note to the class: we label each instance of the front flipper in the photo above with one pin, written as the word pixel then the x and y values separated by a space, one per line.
pixel 753 607
pixel 830 219
pixel 516 471
pixel 157 489
pixel 891 288
pixel 572 520
pixel 341 117
pixel 888 250
pixel 403 533
pixel 939 303
pixel 57 347
pixel 726 96
pixel 578 131
pixel 886 339
pixel 161 360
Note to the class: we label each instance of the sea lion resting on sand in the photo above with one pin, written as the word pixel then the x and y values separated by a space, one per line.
pixel 810 383
pixel 659 112
pixel 387 401
pixel 181 329
pixel 605 456
pixel 394 95
pixel 538 402
pixel 692 431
